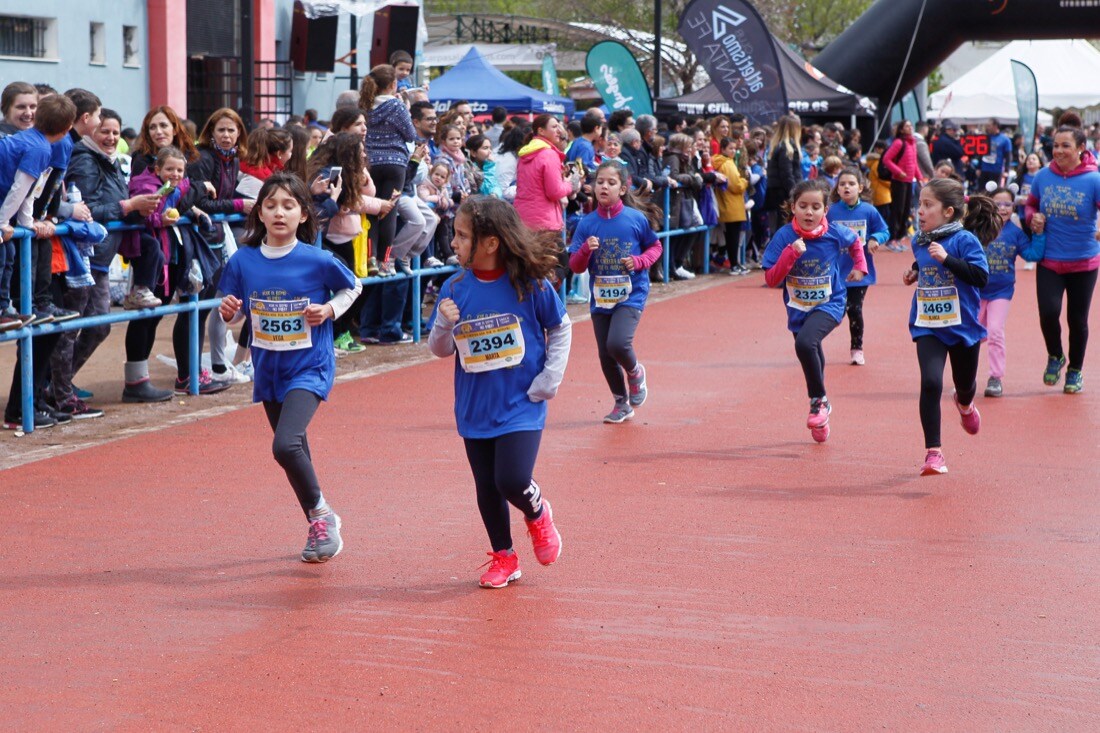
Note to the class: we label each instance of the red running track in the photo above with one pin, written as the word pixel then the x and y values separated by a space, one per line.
pixel 720 570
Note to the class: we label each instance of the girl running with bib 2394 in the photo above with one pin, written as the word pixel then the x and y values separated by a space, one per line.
pixel 510 335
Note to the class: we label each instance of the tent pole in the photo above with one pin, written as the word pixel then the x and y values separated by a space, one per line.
pixel 656 49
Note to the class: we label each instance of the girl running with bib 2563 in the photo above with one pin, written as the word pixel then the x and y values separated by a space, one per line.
pixel 283 285
pixel 511 334
pixel 949 271
pixel 804 258
pixel 997 294
pixel 617 245
pixel 850 210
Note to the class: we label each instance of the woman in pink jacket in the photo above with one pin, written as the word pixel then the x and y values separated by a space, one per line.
pixel 901 160
pixel 541 183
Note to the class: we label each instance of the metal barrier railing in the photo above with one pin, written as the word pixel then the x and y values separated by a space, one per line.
pixel 25 335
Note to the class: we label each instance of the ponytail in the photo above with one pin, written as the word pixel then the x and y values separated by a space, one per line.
pixel 982 219
pixel 380 77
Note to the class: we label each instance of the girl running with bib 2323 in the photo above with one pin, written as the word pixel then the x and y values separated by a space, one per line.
pixel 804 258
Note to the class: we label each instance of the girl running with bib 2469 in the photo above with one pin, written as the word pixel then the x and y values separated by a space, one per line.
pixel 617 245
pixel 804 258
pixel 283 285
pixel 950 270
pixel 510 333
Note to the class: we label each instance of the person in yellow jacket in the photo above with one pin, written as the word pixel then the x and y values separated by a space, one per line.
pixel 880 189
pixel 731 201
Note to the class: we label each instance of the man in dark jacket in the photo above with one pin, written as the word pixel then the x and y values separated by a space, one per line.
pixel 947 146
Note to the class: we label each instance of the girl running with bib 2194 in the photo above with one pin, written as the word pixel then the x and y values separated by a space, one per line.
pixel 283 284
pixel 617 245
pixel 949 272
pixel 510 333
pixel 804 259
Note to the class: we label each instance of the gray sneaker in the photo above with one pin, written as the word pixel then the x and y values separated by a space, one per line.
pixel 620 413
pixel 324 541
pixel 637 387
pixel 993 387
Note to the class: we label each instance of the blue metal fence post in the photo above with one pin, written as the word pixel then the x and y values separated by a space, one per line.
pixel 416 304
pixel 706 252
pixel 194 350
pixel 26 343
pixel 668 239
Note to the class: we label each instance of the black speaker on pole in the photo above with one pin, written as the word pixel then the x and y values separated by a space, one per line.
pixel 313 41
pixel 394 30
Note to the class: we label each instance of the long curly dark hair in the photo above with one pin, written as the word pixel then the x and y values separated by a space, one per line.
pixel 529 257
pixel 344 149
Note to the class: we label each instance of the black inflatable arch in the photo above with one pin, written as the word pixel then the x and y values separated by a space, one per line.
pixel 868 55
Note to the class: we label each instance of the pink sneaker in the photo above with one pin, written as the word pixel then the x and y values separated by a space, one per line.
pixel 503 569
pixel 820 435
pixel 819 413
pixel 971 421
pixel 544 536
pixel 934 464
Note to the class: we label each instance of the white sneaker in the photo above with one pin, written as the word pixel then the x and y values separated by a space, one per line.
pixel 245 368
pixel 684 273
pixel 857 357
pixel 433 262
pixel 230 376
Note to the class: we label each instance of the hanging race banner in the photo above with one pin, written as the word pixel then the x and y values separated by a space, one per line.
pixel 734 45
pixel 1027 101
pixel 549 75
pixel 618 78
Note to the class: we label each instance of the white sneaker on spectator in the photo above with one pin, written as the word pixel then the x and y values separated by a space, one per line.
pixel 230 376
pixel 684 273
pixel 433 262
pixel 245 368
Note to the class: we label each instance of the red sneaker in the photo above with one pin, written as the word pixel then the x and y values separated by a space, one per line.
pixel 971 421
pixel 544 536
pixel 503 569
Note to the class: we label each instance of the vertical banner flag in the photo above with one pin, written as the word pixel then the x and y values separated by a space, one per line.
pixel 618 78
pixel 734 45
pixel 1027 101
pixel 549 75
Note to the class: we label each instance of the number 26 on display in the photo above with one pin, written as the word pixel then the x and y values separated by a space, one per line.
pixel 491 343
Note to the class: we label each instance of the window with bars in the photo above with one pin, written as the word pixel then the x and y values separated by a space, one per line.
pixel 24 37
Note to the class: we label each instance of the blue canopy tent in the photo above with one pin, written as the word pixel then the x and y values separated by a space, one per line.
pixel 484 86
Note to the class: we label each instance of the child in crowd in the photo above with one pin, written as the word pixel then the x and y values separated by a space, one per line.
pixel 268 152
pixel 946 169
pixel 881 198
pixel 811 161
pixel 450 152
pixel 850 210
pixel 613 148
pixel 167 180
pixel 731 201
pixel 831 169
pixel 402 63
pixel 997 294
pixel 804 257
pixel 758 215
pixel 436 190
pixel 25 164
pixel 283 284
pixel 355 199
pixel 480 168
pixel 616 244
pixel 950 270
pixel 511 334
pixel 1025 177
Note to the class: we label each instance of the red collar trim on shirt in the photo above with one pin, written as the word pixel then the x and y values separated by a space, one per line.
pixel 488 274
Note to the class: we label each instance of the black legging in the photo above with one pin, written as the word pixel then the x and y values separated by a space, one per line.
pixel 901 202
pixel 855 315
pixel 615 343
pixel 502 469
pixel 807 344
pixel 345 252
pixel 733 241
pixel 1078 288
pixel 932 355
pixel 289 420
pixel 142 334
pixel 387 179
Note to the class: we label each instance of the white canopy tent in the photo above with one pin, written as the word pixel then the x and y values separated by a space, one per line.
pixel 1066 72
